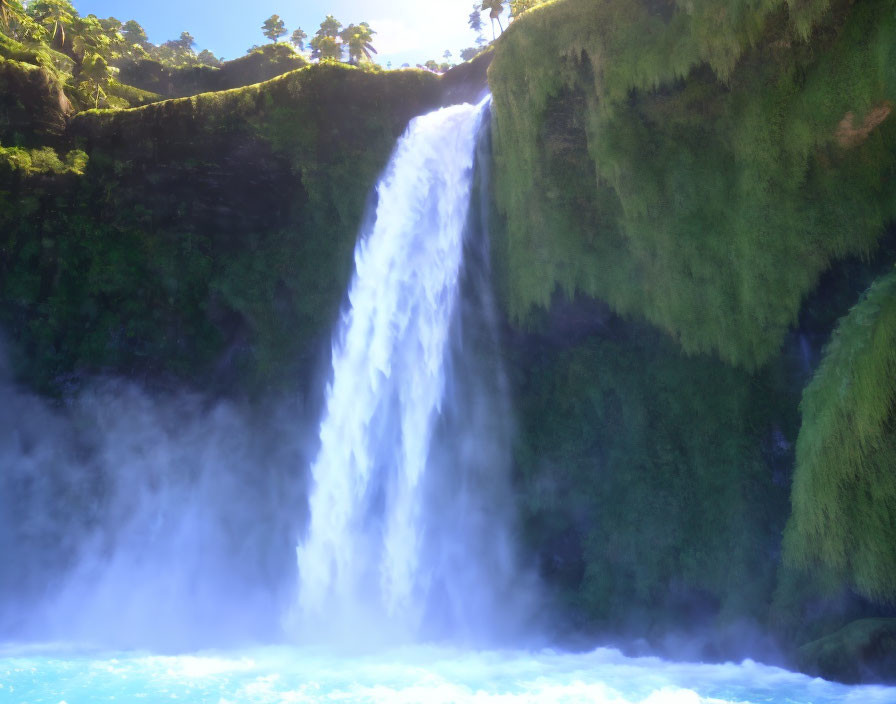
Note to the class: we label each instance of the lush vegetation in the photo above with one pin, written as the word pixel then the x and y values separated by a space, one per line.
pixel 696 165
pixel 208 239
pixel 86 53
pixel 640 469
pixel 41 161
pixel 844 487
pixel 110 63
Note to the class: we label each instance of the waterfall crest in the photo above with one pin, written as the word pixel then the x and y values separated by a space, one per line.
pixel 398 540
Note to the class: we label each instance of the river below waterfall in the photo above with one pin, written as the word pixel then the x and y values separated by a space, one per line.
pixel 424 675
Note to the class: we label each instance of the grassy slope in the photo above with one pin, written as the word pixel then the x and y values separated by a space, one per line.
pixel 150 77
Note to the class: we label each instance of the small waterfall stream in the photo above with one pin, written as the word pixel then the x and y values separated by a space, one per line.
pixel 378 552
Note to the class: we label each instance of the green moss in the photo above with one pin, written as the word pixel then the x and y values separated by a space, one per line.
pixel 209 238
pixel 644 481
pixel 844 488
pixel 688 164
pixel 42 161
pixel 257 66
pixel 861 651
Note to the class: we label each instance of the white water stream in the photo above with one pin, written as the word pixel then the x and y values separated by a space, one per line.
pixel 366 563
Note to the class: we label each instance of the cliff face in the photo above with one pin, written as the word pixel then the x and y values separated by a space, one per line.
pixel 208 238
pixel 688 195
pixel 694 165
pixel 33 108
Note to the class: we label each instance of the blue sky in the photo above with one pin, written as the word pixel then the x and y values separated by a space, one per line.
pixel 407 30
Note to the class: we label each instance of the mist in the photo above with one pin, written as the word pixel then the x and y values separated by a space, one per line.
pixel 138 519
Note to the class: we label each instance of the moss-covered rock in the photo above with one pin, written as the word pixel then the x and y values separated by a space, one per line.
pixel 468 82
pixel 696 165
pixel 844 489
pixel 208 237
pixel 862 651
pixel 654 485
pixel 33 107
pixel 262 64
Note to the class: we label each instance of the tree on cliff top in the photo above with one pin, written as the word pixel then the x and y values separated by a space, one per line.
pixel 273 28
pixel 297 39
pixel 329 27
pixel 133 33
pixel 495 8
pixel 358 39
pixel 475 19
pixel 325 44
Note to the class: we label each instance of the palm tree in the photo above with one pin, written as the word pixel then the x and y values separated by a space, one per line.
pixel 358 40
pixel 495 8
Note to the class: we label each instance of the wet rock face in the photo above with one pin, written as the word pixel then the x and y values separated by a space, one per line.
pixel 33 108
pixel 862 651
pixel 467 82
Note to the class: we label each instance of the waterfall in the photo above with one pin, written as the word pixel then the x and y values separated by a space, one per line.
pixel 401 537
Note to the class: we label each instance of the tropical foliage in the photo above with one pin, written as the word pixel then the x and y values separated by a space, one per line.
pixel 87 52
pixel 326 43
pixel 844 488
pixel 357 41
pixel 695 168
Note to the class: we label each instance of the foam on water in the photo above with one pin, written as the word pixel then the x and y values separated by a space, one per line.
pixel 411 675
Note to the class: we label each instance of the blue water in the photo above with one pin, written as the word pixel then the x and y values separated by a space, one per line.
pixel 419 674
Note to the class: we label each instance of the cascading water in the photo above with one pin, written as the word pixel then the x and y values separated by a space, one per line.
pixel 390 543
